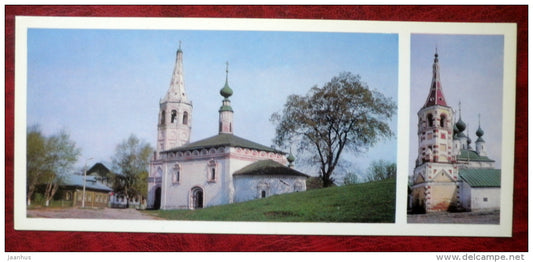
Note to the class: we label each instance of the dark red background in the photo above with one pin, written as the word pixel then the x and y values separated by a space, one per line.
pixel 89 241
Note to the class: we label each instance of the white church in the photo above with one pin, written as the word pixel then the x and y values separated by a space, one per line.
pixel 217 170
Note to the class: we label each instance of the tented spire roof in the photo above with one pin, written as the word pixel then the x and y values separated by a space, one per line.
pixel 436 96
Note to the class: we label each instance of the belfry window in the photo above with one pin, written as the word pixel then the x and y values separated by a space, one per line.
pixel 173 116
pixel 185 118
pixel 163 117
pixel 430 120
pixel 442 120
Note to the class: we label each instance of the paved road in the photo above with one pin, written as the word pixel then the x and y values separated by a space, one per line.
pixel 106 213
pixel 478 217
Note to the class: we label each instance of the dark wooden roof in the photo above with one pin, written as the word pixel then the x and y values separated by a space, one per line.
pixel 268 167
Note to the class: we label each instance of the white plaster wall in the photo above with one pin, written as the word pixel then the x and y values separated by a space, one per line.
pixel 247 186
pixel 466 197
pixel 492 195
pixel 195 173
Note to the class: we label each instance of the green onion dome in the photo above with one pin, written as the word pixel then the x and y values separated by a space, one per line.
pixel 291 158
pixel 461 126
pixel 479 132
pixel 226 91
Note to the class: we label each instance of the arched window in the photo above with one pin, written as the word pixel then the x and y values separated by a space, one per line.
pixel 173 116
pixel 442 120
pixel 430 120
pixel 185 118
pixel 163 117
pixel 212 170
pixel 262 190
pixel 177 174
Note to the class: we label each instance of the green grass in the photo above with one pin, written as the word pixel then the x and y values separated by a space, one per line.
pixel 372 202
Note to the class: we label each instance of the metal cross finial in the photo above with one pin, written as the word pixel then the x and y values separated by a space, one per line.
pixel 459 108
pixel 180 45
pixel 479 120
pixel 227 65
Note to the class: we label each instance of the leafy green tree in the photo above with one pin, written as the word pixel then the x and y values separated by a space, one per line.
pixel 48 160
pixel 36 163
pixel 131 160
pixel 342 115
pixel 62 153
pixel 381 170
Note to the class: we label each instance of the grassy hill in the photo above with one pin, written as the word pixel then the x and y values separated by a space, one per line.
pixel 368 202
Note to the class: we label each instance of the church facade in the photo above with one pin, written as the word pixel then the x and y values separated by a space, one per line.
pixel 450 175
pixel 221 169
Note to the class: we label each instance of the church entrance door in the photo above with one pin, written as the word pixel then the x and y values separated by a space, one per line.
pixel 197 198
pixel 157 200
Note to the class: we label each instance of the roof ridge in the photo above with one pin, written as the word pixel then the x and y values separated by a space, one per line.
pixel 224 139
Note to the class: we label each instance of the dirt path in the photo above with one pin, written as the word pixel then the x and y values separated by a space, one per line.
pixel 106 213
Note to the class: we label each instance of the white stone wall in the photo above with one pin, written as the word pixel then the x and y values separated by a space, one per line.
pixel 485 198
pixel 249 187
pixel 466 196
pixel 476 198
pixel 195 171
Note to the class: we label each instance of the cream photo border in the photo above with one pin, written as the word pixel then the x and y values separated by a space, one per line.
pixel 399 227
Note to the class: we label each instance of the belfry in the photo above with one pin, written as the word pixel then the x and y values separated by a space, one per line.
pixel 448 174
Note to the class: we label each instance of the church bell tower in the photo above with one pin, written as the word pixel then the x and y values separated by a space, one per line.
pixel 175 111
pixel 435 178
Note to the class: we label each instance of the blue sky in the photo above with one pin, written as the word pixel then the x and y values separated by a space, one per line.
pixel 103 85
pixel 471 71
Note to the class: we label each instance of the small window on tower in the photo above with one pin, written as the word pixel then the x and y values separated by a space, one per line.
pixel 185 118
pixel 442 120
pixel 430 120
pixel 173 116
